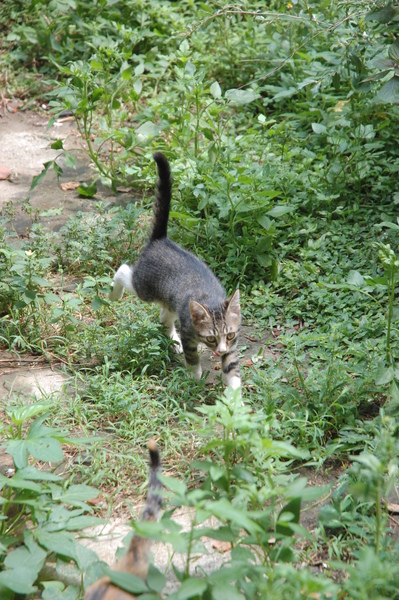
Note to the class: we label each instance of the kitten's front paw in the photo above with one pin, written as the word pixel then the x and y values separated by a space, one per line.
pixel 234 382
pixel 196 370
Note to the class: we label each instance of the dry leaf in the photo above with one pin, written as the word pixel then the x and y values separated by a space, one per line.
pixel 221 546
pixel 70 185
pixel 393 508
pixel 249 363
pixel 96 500
pixel 4 173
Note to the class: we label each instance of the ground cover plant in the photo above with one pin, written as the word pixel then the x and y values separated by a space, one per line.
pixel 281 126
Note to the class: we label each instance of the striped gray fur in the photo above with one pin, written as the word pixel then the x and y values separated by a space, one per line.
pixel 186 289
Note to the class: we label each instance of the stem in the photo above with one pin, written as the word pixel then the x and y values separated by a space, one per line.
pixel 390 314
pixel 378 521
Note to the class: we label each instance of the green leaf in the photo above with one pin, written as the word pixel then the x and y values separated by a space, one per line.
pixel 87 190
pixel 319 128
pixel 280 210
pixel 394 51
pixel 389 93
pixel 148 129
pixel 76 494
pixel 37 178
pixel 19 580
pixel 155 579
pixel 175 485
pixel 23 413
pixel 97 303
pixel 241 96
pixel 127 581
pixel 127 73
pixel 223 509
pixel 355 278
pixel 57 145
pixel 290 511
pixel 384 375
pixel 95 64
pixel 137 86
pixel 69 160
pixel 389 13
pixel 215 90
pixel 63 544
pixel 226 592
pixel 190 588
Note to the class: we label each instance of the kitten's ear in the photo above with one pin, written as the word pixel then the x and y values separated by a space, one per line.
pixel 233 304
pixel 199 314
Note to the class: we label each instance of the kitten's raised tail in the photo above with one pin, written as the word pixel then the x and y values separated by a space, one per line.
pixel 136 559
pixel 162 199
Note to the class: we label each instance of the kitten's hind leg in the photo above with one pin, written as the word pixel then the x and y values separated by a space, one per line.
pixel 123 278
pixel 168 318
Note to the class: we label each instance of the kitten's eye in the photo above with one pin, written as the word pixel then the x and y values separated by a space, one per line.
pixel 211 339
pixel 231 336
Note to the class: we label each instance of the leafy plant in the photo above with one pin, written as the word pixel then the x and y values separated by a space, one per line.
pixel 39 510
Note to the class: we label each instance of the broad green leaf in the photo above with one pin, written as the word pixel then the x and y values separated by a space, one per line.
pixel 87 190
pixel 57 145
pixel 319 128
pixel 61 543
pixel 355 278
pixel 389 13
pixel 77 523
pixel 69 160
pixel 226 592
pixel 175 485
pixel 223 509
pixel 137 86
pixel 384 375
pixel 280 210
pixel 215 90
pixel 148 129
pixel 127 73
pixel 23 413
pixel 265 222
pixel 190 588
pixel 394 51
pixel 77 494
pixel 389 92
pixel 19 580
pixel 241 96
pixel 97 302
pixel 127 581
pixel 155 579
pixel 53 592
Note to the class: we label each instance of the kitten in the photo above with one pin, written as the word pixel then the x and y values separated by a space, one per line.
pixel 136 559
pixel 185 288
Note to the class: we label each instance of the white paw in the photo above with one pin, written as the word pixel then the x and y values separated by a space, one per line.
pixel 234 382
pixel 117 291
pixel 177 347
pixel 195 370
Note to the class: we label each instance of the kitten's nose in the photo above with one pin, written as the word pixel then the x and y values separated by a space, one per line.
pixel 221 349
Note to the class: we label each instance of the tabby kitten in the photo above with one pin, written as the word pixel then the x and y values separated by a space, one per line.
pixel 186 289
pixel 136 559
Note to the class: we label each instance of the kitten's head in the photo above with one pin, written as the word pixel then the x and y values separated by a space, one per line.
pixel 217 327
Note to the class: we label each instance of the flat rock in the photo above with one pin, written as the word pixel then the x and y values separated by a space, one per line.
pixel 31 384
